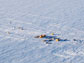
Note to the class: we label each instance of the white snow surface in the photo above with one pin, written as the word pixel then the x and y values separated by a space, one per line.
pixel 22 20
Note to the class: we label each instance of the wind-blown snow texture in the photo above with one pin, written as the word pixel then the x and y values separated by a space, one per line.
pixel 65 18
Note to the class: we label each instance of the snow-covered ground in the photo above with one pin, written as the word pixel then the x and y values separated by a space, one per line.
pixel 22 20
